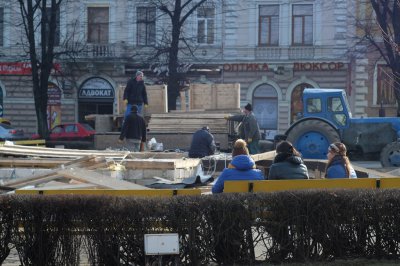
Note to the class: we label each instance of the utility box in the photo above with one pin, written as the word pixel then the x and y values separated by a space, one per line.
pixel 161 244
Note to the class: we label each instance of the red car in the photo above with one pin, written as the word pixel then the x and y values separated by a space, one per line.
pixel 71 135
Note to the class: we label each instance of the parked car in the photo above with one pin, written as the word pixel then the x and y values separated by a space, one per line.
pixel 8 132
pixel 71 135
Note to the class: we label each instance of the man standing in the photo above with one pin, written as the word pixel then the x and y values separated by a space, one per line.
pixel 203 143
pixel 134 130
pixel 135 94
pixel 248 130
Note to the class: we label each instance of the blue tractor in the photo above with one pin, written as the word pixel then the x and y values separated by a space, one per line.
pixel 327 118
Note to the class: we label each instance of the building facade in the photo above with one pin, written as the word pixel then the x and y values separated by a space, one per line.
pixel 274 49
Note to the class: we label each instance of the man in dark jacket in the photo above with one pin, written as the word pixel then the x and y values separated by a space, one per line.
pixel 248 130
pixel 134 130
pixel 135 93
pixel 202 143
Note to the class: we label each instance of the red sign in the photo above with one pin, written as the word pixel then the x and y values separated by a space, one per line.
pixel 19 68
pixel 320 66
pixel 245 67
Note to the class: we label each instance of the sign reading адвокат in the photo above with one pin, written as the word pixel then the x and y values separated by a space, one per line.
pixel 96 88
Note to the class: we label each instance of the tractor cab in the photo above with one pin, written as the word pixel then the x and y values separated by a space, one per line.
pixel 328 104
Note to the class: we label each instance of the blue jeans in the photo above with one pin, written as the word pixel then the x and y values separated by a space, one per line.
pixel 129 107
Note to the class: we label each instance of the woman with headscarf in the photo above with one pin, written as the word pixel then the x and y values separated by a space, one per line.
pixel 338 165
pixel 287 163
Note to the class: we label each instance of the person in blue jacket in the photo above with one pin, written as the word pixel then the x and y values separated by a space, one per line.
pixel 339 165
pixel 242 167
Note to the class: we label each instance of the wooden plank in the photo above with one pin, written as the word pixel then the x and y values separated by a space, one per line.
pixel 163 164
pixel 61 153
pixel 41 178
pixel 88 176
pixel 31 163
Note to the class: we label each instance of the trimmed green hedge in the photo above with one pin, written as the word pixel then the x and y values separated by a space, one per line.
pixel 313 225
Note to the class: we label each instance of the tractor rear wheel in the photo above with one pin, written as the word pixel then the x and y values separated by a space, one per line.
pixel 390 155
pixel 312 138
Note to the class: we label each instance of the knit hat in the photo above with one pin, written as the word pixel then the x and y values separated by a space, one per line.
pixel 134 108
pixel 248 107
pixel 139 73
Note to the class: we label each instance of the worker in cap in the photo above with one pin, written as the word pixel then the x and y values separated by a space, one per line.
pixel 135 93
pixel 248 129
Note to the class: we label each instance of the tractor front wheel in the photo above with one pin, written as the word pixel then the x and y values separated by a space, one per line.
pixel 312 138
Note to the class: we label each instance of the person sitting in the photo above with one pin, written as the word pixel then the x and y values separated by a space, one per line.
pixel 242 167
pixel 338 165
pixel 287 163
pixel 203 143
pixel 240 148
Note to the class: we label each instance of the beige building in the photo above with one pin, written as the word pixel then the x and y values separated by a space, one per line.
pixel 274 49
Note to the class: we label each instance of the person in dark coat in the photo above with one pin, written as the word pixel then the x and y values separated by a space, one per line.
pixel 287 163
pixel 339 165
pixel 249 129
pixel 203 143
pixel 134 130
pixel 135 94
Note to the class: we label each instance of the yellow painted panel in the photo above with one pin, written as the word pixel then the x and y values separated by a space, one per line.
pixel 236 186
pixel 112 192
pixel 278 185
pixel 31 142
pixel 390 182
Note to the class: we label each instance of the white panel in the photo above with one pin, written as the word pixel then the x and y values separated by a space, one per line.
pixel 161 244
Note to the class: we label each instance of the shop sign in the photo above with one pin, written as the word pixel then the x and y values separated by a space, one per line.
pixel 98 88
pixel 246 67
pixel 320 66
pixel 20 68
pixel 53 94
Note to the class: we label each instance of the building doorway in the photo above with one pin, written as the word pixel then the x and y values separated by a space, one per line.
pixel 265 108
pixel 96 96
pixel 296 107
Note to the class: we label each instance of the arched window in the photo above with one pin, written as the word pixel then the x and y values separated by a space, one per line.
pixel 265 107
pixel 296 107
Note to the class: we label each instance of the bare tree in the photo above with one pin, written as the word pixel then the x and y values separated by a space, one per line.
pixel 178 12
pixel 39 19
pixel 381 31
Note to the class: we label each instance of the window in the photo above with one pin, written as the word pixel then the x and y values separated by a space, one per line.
pixel 314 105
pixel 71 129
pixel 57 30
pixel 1 26
pixel 146 26
pixel 385 86
pixel 335 105
pixel 97 25
pixel 205 25
pixel 268 32
pixel 302 25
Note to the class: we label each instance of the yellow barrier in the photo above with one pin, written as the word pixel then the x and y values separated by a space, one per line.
pixel 28 142
pixel 279 185
pixel 389 182
pixel 112 192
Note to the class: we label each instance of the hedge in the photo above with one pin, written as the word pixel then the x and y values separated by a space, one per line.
pixel 242 229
